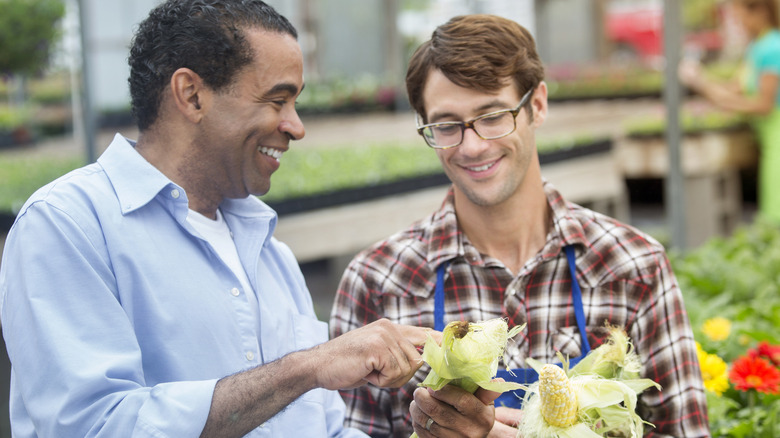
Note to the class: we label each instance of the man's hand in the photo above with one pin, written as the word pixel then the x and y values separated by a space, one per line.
pixel 381 353
pixel 506 423
pixel 452 411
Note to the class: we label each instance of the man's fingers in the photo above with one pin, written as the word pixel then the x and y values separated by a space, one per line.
pixel 398 359
pixel 487 397
pixel 508 416
pixel 419 335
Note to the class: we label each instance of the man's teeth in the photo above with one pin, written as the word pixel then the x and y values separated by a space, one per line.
pixel 481 168
pixel 271 152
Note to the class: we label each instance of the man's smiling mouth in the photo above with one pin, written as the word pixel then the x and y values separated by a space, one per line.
pixel 271 152
pixel 481 168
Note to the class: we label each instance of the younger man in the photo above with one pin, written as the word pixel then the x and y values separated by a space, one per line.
pixel 506 244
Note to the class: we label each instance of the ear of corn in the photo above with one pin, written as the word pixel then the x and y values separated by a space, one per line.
pixel 614 359
pixel 558 400
pixel 595 398
pixel 468 355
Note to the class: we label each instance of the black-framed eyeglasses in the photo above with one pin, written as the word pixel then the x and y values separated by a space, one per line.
pixel 490 126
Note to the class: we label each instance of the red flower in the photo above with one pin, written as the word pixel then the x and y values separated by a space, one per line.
pixel 755 373
pixel 770 352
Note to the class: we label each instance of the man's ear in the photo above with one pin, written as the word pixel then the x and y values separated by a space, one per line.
pixel 188 93
pixel 539 104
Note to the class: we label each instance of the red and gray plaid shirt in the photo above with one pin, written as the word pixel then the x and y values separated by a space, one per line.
pixel 625 280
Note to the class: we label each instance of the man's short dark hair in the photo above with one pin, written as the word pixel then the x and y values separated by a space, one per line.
pixel 206 36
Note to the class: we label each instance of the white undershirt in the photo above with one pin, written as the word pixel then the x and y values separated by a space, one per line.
pixel 217 233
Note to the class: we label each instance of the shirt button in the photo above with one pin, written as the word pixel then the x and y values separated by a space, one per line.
pixel 250 356
pixel 235 292
pixel 175 193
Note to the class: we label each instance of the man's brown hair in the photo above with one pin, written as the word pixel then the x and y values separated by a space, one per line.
pixel 479 52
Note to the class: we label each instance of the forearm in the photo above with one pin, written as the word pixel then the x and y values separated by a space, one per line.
pixel 381 353
pixel 731 99
pixel 246 400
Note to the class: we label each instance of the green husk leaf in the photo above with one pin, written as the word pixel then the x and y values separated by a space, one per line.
pixel 607 385
pixel 614 359
pixel 468 356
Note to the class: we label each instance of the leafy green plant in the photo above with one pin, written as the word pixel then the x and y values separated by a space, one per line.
pixel 21 176
pixel 14 117
pixel 307 171
pixel 700 14
pixel 304 171
pixel 50 89
pixel 574 83
pixel 338 95
pixel 28 29
pixel 690 123
pixel 310 171
pixel 583 82
pixel 732 294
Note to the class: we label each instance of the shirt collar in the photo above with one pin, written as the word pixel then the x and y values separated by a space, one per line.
pixel 448 242
pixel 135 180
pixel 567 230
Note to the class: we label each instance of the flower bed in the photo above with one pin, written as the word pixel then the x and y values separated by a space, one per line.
pixel 732 294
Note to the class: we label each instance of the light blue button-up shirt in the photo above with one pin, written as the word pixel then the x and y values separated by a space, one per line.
pixel 119 318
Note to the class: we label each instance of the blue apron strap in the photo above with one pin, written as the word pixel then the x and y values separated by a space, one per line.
pixel 438 298
pixel 576 293
pixel 527 376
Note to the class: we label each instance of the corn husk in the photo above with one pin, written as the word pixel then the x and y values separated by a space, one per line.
pixel 468 356
pixel 606 383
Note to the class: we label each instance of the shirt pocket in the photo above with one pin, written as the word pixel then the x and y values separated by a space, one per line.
pixel 308 331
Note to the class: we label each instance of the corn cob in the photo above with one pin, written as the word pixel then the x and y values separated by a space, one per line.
pixel 558 401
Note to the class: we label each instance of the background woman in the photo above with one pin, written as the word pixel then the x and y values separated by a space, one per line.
pixel 756 92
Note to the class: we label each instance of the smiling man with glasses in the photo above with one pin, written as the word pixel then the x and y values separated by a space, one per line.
pixel 505 243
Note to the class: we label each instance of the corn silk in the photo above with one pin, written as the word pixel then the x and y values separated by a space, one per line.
pixel 606 385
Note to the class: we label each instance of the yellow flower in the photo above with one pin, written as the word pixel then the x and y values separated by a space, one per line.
pixel 714 371
pixel 717 329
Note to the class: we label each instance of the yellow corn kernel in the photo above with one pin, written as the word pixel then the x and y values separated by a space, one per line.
pixel 558 401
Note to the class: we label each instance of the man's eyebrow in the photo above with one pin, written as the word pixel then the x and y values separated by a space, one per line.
pixel 283 88
pixel 482 109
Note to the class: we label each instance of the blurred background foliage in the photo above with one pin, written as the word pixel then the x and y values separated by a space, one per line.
pixel 28 31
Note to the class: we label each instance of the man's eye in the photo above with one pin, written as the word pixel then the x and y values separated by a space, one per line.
pixel 492 119
pixel 447 129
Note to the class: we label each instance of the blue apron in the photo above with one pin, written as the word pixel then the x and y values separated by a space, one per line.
pixel 525 376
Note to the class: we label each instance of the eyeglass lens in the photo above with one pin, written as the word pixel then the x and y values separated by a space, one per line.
pixel 489 126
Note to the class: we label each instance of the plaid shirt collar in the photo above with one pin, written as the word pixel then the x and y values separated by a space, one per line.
pixel 455 244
